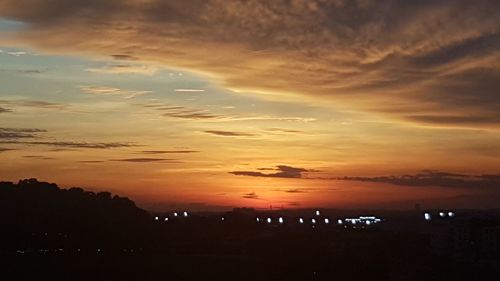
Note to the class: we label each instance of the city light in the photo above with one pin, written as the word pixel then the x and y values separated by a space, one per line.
pixel 339 221
pixel 427 216
pixel 317 213
pixel 442 214
pixel 301 220
pixel 327 221
pixel 157 218
pixel 280 220
pixel 185 214
pixel 166 219
pixel 222 219
pixel 269 220
pixel 368 220
pixel 451 214
pixel 313 220
pixel 258 220
pixel 175 214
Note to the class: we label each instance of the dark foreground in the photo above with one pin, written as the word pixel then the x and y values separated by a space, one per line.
pixel 54 234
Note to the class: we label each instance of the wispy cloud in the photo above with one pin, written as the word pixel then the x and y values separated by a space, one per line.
pixel 183 112
pixel 17 53
pixel 112 91
pixel 229 133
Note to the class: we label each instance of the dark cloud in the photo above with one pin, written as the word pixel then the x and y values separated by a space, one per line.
pixel 91 161
pixel 23 130
pixel 3 149
pixel 123 57
pixel 282 171
pixel 251 195
pixel 98 145
pixel 229 133
pixel 168 151
pixel 418 60
pixel 4 110
pixel 32 71
pixel 35 104
pixel 62 149
pixel 435 178
pixel 25 71
pixel 144 160
pixel 18 133
pixel 14 135
pixel 190 115
pixel 40 157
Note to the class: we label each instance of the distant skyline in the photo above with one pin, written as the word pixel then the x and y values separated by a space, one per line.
pixel 212 104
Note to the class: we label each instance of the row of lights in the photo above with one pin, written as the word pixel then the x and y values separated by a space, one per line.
pixel 442 214
pixel 368 220
pixel 282 220
pixel 176 214
pixel 363 220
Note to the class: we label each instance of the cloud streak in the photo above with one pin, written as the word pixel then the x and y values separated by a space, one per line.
pixel 71 144
pixel 168 151
pixel 435 178
pixel 282 171
pixel 251 195
pixel 124 69
pixel 36 104
pixel 112 91
pixel 19 133
pixel 143 160
pixel 4 110
pixel 229 133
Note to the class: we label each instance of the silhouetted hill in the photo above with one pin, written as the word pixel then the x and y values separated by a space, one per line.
pixel 47 214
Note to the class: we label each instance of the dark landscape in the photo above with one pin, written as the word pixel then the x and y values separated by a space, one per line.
pixel 50 233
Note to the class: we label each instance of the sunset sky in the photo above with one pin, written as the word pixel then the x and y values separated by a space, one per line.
pixel 291 103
